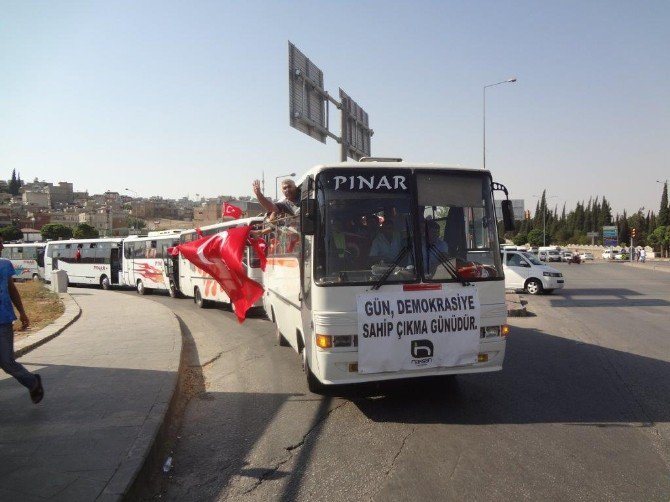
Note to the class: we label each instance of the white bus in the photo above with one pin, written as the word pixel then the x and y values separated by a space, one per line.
pixel 27 258
pixel 199 285
pixel 86 261
pixel 146 263
pixel 390 271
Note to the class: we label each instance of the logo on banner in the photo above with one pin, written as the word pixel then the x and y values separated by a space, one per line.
pixel 422 352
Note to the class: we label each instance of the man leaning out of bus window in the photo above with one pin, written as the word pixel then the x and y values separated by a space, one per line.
pixel 288 205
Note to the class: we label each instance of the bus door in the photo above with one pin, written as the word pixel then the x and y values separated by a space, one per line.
pixel 115 262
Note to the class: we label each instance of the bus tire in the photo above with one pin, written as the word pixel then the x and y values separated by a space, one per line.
pixel 36 277
pixel 141 290
pixel 172 290
pixel 313 383
pixel 104 283
pixel 198 299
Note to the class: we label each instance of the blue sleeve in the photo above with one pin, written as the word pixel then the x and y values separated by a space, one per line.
pixel 9 268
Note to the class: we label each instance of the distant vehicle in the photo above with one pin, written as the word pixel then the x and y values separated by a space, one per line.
pixel 525 271
pixel 566 256
pixel 586 256
pixel 27 258
pixel 86 261
pixel 622 255
pixel 147 265
pixel 608 254
pixel 549 255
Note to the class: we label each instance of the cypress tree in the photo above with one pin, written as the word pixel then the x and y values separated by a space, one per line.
pixel 663 217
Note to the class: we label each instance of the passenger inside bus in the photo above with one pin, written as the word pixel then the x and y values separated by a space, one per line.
pixel 433 248
pixel 388 242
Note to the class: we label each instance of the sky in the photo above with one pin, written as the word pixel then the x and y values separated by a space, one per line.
pixel 184 98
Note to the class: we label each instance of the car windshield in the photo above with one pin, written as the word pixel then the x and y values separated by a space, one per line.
pixel 532 258
pixel 373 229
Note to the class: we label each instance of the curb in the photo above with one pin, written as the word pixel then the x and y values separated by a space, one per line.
pixel 128 471
pixel 516 306
pixel 71 314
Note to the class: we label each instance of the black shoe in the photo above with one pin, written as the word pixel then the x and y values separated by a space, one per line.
pixel 38 392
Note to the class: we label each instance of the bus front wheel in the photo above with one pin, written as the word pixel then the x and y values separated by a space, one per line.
pixel 104 282
pixel 141 290
pixel 172 289
pixel 198 299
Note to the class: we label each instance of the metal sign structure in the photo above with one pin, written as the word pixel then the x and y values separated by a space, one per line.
pixel 309 113
pixel 308 101
pixel 355 128
pixel 610 236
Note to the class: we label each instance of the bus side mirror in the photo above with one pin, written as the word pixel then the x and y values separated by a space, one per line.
pixel 307 216
pixel 507 214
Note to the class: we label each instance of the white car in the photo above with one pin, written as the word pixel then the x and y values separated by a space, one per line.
pixel 609 254
pixel 525 271
pixel 566 256
pixel 586 256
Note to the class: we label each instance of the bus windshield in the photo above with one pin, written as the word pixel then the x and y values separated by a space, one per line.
pixel 372 226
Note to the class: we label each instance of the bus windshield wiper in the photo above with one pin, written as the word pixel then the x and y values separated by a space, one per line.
pixel 444 261
pixel 401 255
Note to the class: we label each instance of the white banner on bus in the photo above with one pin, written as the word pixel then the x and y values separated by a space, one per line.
pixel 409 330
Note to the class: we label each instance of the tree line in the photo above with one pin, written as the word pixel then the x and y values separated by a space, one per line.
pixel 550 226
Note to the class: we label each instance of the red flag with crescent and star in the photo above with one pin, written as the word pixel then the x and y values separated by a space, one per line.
pixel 220 255
pixel 230 211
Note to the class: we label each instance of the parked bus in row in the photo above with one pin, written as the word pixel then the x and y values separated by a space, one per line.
pixel 86 261
pixel 199 285
pixel 147 266
pixel 27 259
pixel 390 271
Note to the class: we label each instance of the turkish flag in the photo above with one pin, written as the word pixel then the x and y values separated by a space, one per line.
pixel 220 255
pixel 230 211
pixel 258 246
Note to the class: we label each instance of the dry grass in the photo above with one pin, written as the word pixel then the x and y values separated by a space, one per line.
pixel 42 306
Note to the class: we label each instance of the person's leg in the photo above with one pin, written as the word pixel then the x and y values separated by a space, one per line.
pixel 7 361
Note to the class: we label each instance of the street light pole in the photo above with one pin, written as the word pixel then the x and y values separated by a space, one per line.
pixel 281 176
pixel 508 81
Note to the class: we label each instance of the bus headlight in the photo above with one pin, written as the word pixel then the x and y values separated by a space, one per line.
pixel 330 341
pixel 324 341
pixel 494 331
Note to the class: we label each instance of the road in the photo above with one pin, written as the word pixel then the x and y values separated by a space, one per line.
pixel 581 411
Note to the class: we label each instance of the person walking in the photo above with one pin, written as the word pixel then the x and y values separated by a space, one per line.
pixel 10 295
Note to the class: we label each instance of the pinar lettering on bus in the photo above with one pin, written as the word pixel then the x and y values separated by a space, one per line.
pixel 372 182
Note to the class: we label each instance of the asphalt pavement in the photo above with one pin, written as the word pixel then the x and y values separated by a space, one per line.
pixel 108 380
